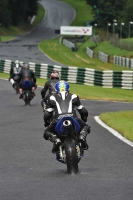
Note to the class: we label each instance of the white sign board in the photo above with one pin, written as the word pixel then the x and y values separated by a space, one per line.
pixel 75 30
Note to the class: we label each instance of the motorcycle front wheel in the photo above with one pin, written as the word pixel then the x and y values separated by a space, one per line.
pixel 27 98
pixel 71 156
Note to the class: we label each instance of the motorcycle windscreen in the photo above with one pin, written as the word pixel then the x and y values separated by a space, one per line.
pixel 61 129
pixel 27 85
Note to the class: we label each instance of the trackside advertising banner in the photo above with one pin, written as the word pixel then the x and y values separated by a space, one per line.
pixel 75 30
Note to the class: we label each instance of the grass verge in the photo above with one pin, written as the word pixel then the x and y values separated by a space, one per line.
pixel 83 12
pixel 65 56
pixel 120 121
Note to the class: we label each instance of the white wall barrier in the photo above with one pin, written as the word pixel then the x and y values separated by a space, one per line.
pixel 103 57
pixel 124 62
pixel 68 44
pixel 89 52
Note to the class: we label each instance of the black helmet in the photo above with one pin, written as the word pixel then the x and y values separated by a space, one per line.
pixel 26 66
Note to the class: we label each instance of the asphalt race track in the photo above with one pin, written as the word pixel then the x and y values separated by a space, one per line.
pixel 28 169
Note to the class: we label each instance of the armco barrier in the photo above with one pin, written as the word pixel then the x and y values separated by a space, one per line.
pixel 87 76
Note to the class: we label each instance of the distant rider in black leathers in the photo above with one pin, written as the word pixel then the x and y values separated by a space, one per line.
pixel 49 88
pixel 14 72
pixel 65 103
pixel 27 74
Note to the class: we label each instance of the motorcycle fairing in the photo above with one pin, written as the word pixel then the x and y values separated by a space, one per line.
pixel 59 128
pixel 27 85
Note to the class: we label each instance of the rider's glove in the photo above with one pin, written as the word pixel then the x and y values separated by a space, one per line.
pixel 53 138
pixel 47 123
pixel 43 105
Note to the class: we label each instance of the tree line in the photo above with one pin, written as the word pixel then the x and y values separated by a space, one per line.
pixel 14 12
pixel 107 11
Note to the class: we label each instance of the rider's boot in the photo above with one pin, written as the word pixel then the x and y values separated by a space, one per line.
pixel 56 142
pixel 54 139
pixel 21 93
pixel 56 145
pixel 82 137
pixel 33 91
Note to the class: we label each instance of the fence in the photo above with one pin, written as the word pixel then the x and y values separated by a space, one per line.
pixel 125 62
pixel 89 52
pixel 103 57
pixel 87 76
pixel 67 43
pixel 126 45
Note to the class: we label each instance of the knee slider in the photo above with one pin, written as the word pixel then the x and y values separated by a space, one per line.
pixel 88 129
pixel 45 135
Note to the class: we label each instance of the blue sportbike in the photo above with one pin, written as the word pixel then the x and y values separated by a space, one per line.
pixel 70 150
pixel 28 94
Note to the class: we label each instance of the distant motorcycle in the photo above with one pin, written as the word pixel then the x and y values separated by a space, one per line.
pixel 15 83
pixel 70 150
pixel 27 91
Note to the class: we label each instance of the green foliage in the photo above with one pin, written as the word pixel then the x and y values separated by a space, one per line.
pixel 11 31
pixel 5 17
pixel 14 12
pixel 33 7
pixel 3 5
pixel 127 18
pixel 105 11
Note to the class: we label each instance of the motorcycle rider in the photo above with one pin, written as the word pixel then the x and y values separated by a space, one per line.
pixel 49 88
pixel 65 103
pixel 27 74
pixel 14 72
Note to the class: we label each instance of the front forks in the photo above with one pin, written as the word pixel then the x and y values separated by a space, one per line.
pixel 62 155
